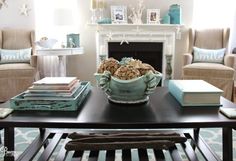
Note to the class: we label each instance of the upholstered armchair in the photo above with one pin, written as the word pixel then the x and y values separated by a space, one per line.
pixel 212 69
pixel 15 77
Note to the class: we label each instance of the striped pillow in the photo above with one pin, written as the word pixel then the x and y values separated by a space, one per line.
pixel 207 55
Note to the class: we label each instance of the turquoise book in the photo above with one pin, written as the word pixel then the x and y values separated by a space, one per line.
pixel 195 92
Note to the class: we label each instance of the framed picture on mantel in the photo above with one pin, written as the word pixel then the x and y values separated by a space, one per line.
pixel 153 16
pixel 119 14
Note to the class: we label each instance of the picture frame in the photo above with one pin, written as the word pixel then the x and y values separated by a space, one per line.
pixel 73 40
pixel 119 14
pixel 153 16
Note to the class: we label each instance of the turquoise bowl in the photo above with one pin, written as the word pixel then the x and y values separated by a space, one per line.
pixel 131 91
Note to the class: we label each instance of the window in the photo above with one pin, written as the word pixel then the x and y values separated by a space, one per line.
pixel 213 13
pixel 216 13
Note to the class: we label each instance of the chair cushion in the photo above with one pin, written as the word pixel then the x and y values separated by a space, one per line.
pixel 15 56
pixel 207 55
pixel 17 70
pixel 213 70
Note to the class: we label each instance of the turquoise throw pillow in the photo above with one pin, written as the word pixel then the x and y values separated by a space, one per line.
pixel 15 56
pixel 207 55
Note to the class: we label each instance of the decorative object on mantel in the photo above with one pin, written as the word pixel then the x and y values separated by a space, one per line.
pixel 104 21
pixel 129 81
pixel 93 9
pixel 118 14
pixel 101 7
pixel 153 16
pixel 136 13
pixel 165 19
pixel 175 13
pixel 24 10
pixel 3 3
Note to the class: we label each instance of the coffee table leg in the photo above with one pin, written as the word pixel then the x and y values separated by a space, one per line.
pixel 227 144
pixel 9 143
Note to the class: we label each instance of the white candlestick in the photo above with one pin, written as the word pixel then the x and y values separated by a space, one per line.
pixel 94 4
pixel 101 4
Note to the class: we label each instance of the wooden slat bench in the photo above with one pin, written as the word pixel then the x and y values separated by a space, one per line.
pixel 55 142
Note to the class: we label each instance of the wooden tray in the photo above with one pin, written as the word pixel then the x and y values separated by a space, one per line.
pixel 61 104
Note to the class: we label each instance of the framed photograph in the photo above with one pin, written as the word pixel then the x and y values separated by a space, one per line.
pixel 119 14
pixel 73 41
pixel 153 16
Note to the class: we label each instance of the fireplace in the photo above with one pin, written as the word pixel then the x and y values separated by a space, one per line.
pixel 152 44
pixel 147 52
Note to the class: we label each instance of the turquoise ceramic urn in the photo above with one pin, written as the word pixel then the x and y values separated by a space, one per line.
pixel 175 13
pixel 136 90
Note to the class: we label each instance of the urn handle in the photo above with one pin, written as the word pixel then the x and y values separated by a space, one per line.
pixel 152 81
pixel 104 82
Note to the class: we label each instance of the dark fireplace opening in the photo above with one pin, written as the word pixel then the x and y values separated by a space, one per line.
pixel 147 52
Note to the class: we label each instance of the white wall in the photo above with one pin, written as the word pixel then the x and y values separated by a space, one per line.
pixel 10 16
pixel 84 65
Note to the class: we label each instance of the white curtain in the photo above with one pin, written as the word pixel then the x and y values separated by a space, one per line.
pixel 47 22
pixel 216 13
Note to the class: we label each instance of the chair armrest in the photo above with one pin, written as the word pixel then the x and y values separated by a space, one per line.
pixel 33 61
pixel 229 60
pixel 187 58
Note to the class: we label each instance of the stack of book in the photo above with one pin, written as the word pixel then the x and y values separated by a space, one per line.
pixel 52 94
pixel 195 92
pixel 53 88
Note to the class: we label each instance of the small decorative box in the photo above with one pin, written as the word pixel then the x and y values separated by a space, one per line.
pixel 51 104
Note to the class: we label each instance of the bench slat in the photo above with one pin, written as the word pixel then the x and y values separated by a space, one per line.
pixel 110 155
pixel 126 155
pixel 62 153
pixel 188 150
pixel 34 147
pixel 159 155
pixel 142 153
pixel 175 154
pixel 50 147
pixel 93 156
pixel 77 156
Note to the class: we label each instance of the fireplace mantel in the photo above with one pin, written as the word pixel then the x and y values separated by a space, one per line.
pixel 125 33
pixel 160 27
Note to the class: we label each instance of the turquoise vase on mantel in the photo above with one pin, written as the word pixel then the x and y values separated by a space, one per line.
pixel 175 13
pixel 166 19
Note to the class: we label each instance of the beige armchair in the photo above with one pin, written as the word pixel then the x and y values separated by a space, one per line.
pixel 220 75
pixel 16 77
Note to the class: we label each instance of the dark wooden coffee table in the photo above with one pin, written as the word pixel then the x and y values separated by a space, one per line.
pixel 162 111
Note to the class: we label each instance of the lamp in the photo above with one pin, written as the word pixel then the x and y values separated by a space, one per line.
pixel 64 19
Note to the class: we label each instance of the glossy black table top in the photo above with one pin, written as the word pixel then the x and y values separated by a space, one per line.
pixel 161 111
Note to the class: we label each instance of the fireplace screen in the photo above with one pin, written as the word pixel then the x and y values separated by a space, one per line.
pixel 147 52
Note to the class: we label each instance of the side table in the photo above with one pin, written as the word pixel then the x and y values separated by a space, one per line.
pixel 60 53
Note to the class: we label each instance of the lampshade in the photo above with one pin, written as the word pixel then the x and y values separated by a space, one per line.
pixel 63 17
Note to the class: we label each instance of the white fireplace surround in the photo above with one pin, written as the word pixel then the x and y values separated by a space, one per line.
pixel 125 33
